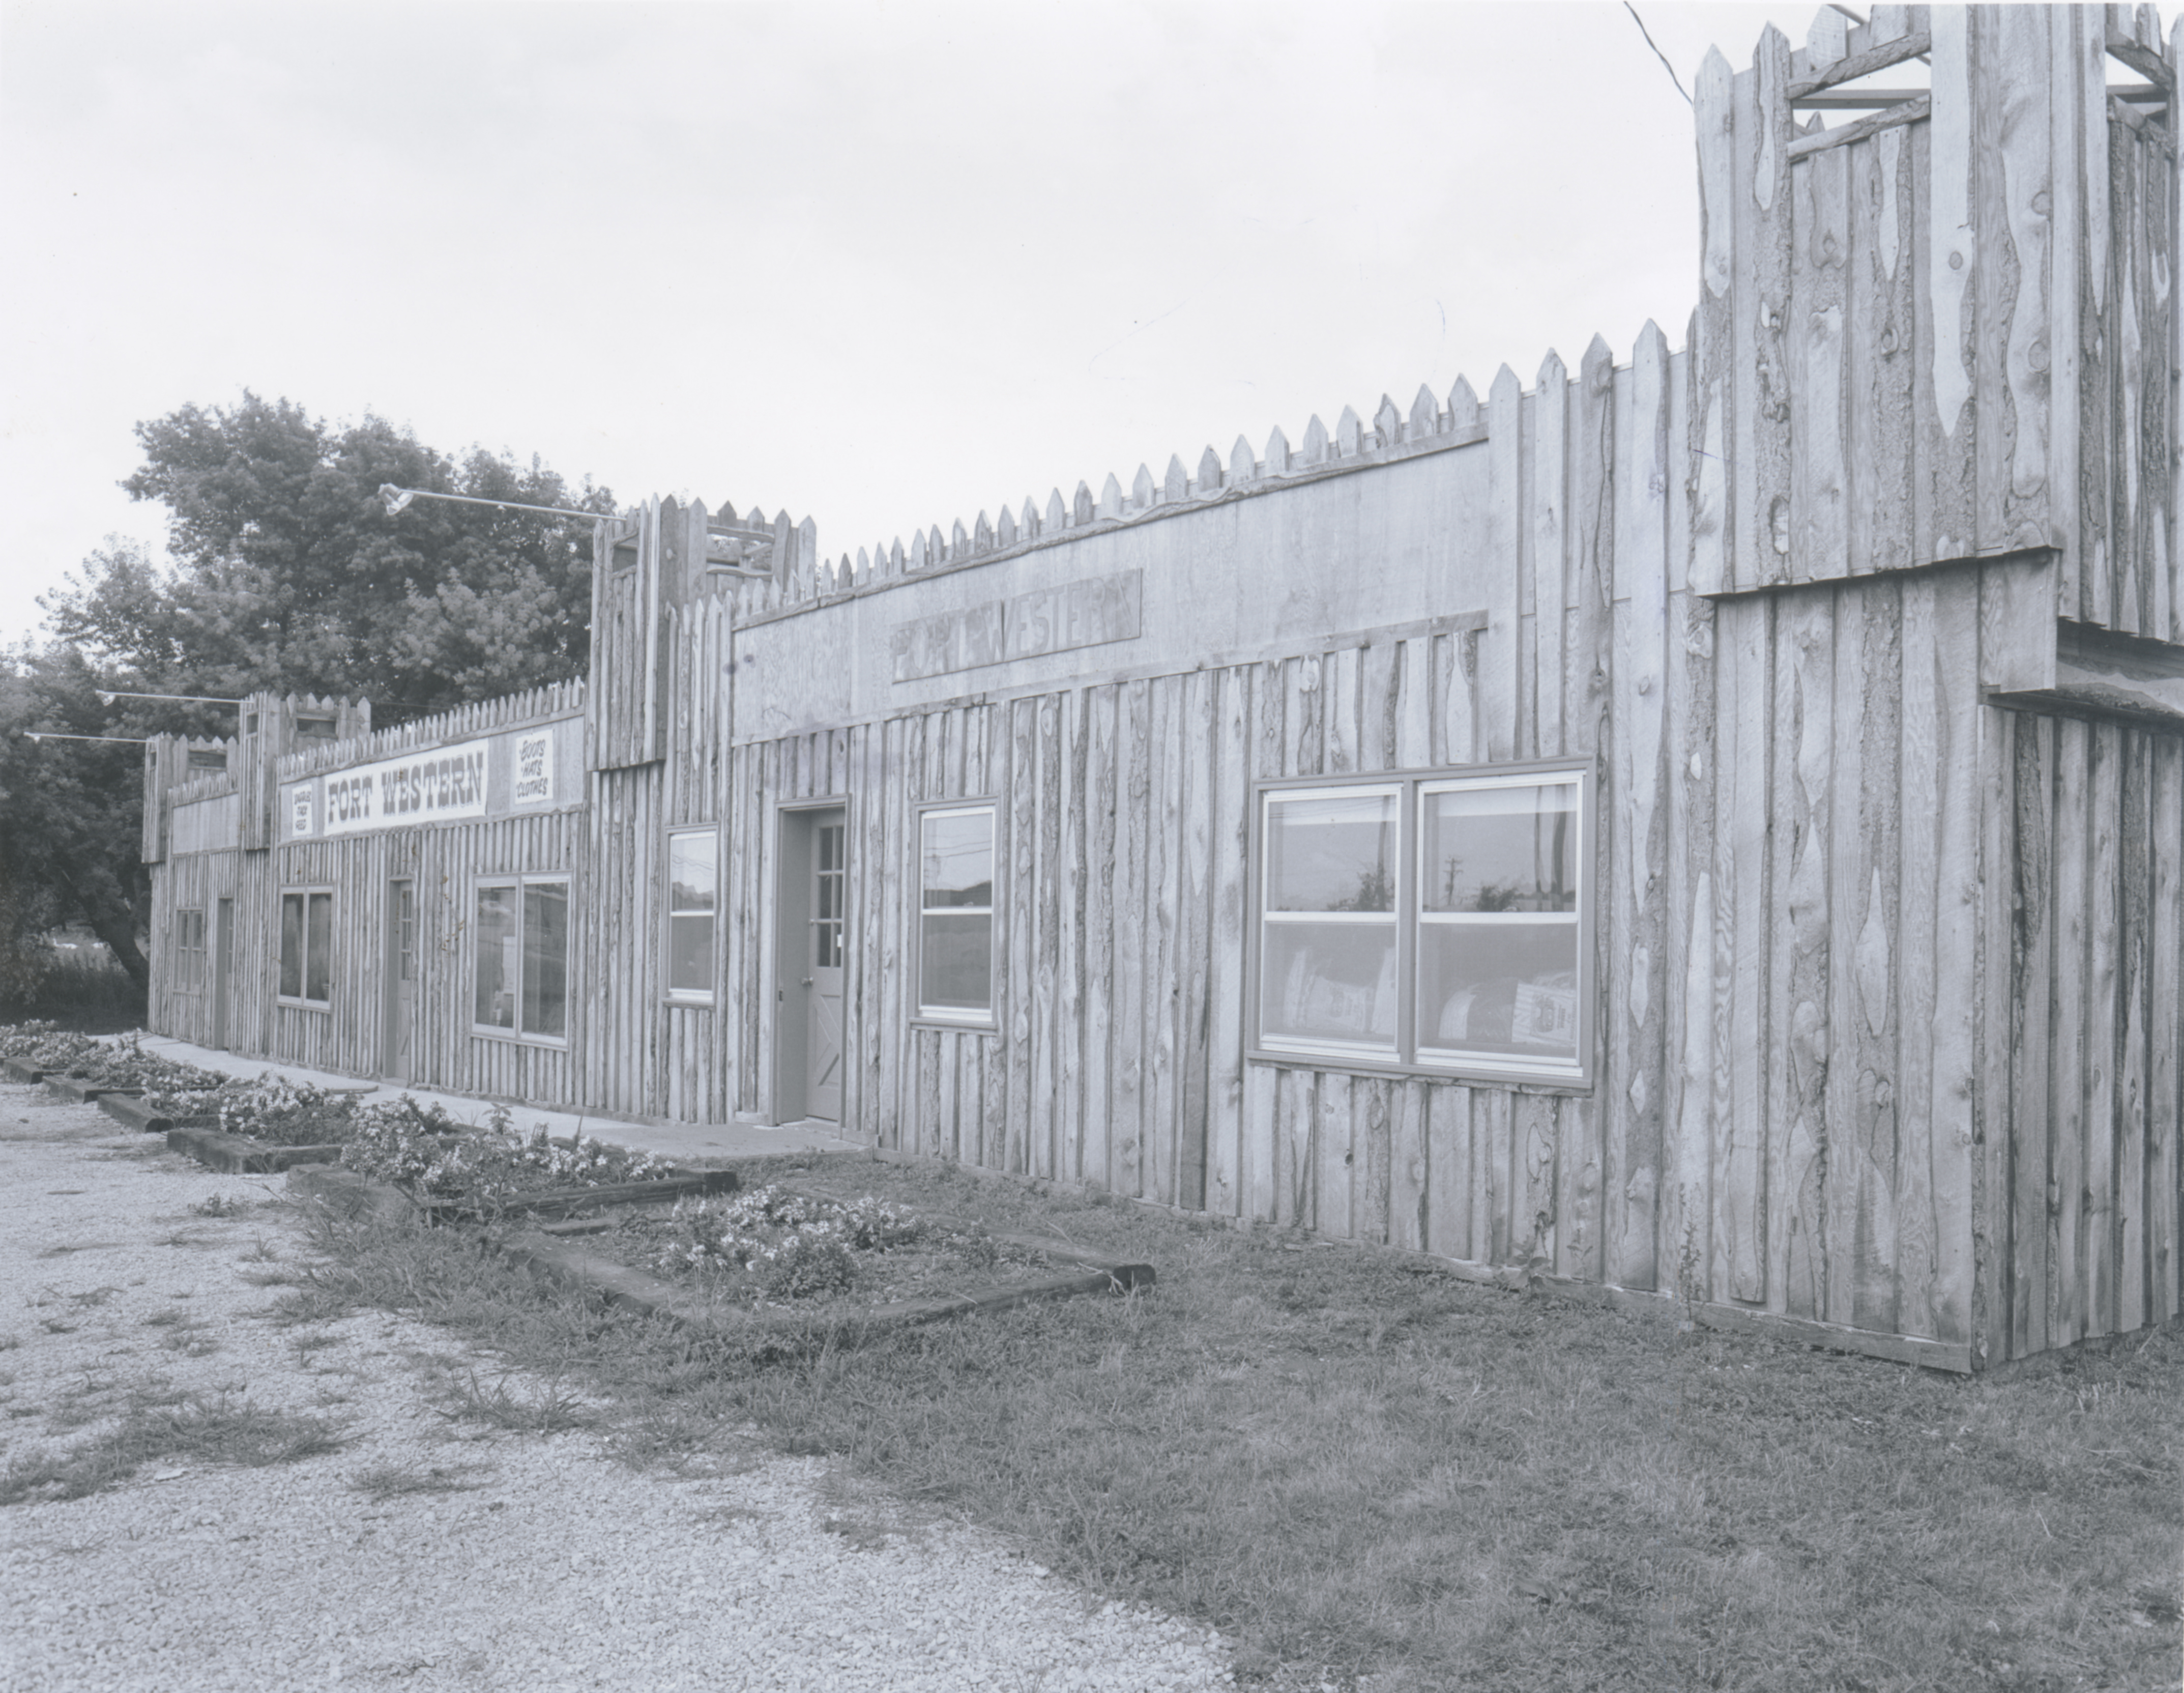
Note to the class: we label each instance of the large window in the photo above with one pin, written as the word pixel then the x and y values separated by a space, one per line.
pixel 307 936
pixel 956 913
pixel 1432 923
pixel 693 892
pixel 523 940
pixel 189 950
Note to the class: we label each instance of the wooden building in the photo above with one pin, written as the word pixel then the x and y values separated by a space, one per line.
pixel 1709 826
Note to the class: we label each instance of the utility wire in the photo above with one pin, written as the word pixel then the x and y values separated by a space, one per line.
pixel 1658 53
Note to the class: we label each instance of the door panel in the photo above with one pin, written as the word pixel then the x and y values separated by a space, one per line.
pixel 823 960
pixel 397 1057
pixel 223 953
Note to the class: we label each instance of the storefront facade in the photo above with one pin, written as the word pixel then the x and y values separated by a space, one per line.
pixel 1710 827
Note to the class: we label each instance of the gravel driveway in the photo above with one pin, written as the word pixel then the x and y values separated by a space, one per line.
pixel 527 1562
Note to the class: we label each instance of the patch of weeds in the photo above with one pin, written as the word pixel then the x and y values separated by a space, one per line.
pixel 54 1325
pixel 548 1411
pixel 191 1341
pixel 65 1250
pixel 399 1481
pixel 267 1278
pixel 198 1430
pixel 310 1302
pixel 220 1206
pixel 181 1238
pixel 8 1343
pixel 306 1345
pixel 95 1400
pixel 261 1252
pixel 164 1319
pixel 97 1296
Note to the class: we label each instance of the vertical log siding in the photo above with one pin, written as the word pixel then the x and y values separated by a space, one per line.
pixel 1888 897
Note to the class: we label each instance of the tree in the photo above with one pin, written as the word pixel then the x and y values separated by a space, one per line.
pixel 287 574
pixel 70 815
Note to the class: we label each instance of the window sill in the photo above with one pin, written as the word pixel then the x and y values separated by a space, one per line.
pixel 1470 1076
pixel 517 1037
pixel 287 1003
pixel 961 1026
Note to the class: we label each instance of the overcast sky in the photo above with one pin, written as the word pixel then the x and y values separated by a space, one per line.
pixel 886 266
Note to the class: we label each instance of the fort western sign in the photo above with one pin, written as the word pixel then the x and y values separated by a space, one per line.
pixel 438 786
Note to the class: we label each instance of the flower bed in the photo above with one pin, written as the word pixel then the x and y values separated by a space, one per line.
pixel 483 1169
pixel 43 1049
pixel 268 1108
pixel 774 1247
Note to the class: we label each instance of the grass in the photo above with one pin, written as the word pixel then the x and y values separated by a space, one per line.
pixel 401 1481
pixel 190 1429
pixel 1354 1462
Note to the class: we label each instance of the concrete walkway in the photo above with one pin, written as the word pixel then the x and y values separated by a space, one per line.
pixel 686 1143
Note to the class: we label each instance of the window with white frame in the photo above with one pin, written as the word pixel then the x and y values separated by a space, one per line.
pixel 1433 922
pixel 189 950
pixel 307 934
pixel 521 937
pixel 956 913
pixel 693 893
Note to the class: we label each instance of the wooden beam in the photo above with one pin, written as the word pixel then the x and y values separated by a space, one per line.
pixel 1864 63
pixel 2144 60
pixel 1857 99
pixel 2143 122
pixel 1910 112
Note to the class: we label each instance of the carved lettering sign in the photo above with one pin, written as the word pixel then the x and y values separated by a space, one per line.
pixel 1088 613
pixel 439 787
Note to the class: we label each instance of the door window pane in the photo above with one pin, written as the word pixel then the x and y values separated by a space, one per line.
pixel 405 928
pixel 828 882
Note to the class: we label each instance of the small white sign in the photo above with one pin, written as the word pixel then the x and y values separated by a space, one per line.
pixel 534 768
pixel 299 811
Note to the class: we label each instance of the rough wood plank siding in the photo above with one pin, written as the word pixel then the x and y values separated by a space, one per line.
pixel 1886 936
pixel 2091 1119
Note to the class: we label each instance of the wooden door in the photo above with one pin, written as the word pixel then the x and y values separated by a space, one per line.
pixel 399 1032
pixel 822 981
pixel 223 953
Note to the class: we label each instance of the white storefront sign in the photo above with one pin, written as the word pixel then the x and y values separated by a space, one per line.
pixel 443 785
pixel 534 768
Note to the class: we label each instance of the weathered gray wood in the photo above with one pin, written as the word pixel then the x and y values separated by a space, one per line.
pixel 2073 848
pixel 1227 1017
pixel 1850 66
pixel 1820 417
pixel 2165 1155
